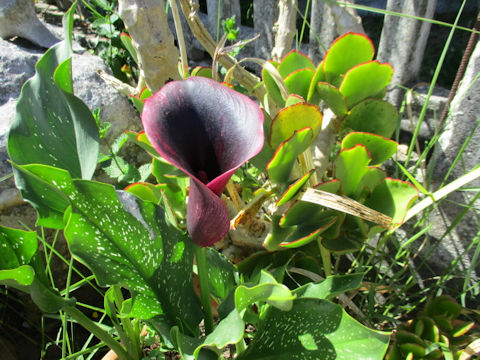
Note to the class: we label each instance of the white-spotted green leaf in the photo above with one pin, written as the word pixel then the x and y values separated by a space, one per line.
pixel 21 267
pixel 52 126
pixel 268 290
pixel 314 329
pixel 221 273
pixel 330 287
pixel 126 241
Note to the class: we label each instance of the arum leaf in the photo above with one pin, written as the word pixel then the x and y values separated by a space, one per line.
pixel 373 116
pixel 221 273
pixel 346 52
pixel 280 167
pixel 268 289
pixel 330 287
pixel 294 61
pixel 21 268
pixel 365 81
pixel 126 241
pixel 220 130
pixel 228 331
pixel 314 329
pixel 380 148
pixel 351 166
pixel 294 118
pixel 52 126
pixel 18 248
pixel 298 82
pixel 393 198
pixel 333 98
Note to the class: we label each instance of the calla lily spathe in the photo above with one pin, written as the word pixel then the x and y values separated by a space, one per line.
pixel 208 131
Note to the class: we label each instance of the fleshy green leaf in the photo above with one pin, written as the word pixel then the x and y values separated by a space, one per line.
pixel 393 198
pixel 294 61
pixel 351 166
pixel 346 52
pixel 292 100
pixel 127 42
pixel 202 71
pixel 333 98
pixel 294 188
pixel 365 81
pixel 312 97
pixel 298 82
pixel 271 86
pixel 294 118
pixel 277 234
pixel 314 329
pixel 380 148
pixel 373 116
pixel 280 167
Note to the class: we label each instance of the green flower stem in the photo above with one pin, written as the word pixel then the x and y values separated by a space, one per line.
pixel 240 346
pixel 326 261
pixel 202 271
pixel 88 324
pixel 132 336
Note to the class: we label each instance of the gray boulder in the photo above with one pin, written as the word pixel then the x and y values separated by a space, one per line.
pixel 18 18
pixel 17 64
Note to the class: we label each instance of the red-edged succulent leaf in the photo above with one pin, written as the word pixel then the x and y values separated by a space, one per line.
pixel 380 148
pixel 365 81
pixel 294 61
pixel 294 188
pixel 350 167
pixel 373 116
pixel 293 99
pixel 280 166
pixel 312 97
pixel 208 131
pixel 294 118
pixel 346 52
pixel 393 197
pixel 333 98
pixel 298 82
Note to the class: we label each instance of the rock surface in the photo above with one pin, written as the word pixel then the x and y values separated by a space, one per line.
pixel 18 18
pixel 17 64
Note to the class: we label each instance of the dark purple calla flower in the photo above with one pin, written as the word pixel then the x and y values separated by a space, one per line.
pixel 208 131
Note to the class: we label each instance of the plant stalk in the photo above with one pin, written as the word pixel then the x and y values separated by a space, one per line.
pixel 88 324
pixel 326 261
pixel 202 272
pixel 180 37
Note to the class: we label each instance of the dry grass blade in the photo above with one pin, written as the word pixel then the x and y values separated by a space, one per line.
pixel 472 349
pixel 346 205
